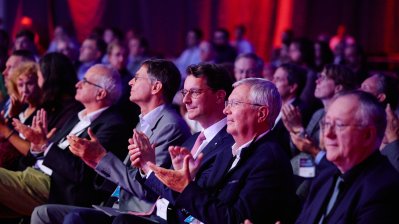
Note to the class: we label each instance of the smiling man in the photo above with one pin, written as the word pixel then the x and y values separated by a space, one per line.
pixel 252 176
pixel 362 187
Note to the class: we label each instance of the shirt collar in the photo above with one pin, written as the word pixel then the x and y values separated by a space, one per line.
pixel 151 116
pixel 212 130
pixel 90 117
pixel 239 149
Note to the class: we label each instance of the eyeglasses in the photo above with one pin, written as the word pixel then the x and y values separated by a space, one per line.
pixel 337 125
pixel 135 78
pixel 194 93
pixel 235 103
pixel 84 80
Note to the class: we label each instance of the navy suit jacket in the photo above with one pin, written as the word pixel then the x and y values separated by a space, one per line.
pixel 370 194
pixel 221 141
pixel 259 187
pixel 72 181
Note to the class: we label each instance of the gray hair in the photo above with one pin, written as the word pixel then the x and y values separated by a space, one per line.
pixel 370 111
pixel 110 80
pixel 265 93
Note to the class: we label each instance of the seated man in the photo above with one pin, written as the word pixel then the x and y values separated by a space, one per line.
pixel 384 87
pixel 205 90
pixel 362 187
pixel 152 89
pixel 58 176
pixel 248 65
pixel 251 177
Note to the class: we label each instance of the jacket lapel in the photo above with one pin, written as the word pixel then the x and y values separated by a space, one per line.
pixel 321 197
pixel 209 150
pixel 70 125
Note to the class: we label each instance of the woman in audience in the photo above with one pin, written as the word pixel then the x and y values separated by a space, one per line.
pixel 57 79
pixel 25 99
pixel 323 55
pixel 301 53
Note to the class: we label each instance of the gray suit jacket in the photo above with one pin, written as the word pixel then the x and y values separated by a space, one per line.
pixel 169 129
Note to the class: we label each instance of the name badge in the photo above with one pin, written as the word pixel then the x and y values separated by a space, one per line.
pixel 307 168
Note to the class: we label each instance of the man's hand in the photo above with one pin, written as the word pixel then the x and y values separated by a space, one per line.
pixel 304 144
pixel 37 134
pixel 141 151
pixel 292 119
pixel 178 153
pixel 176 180
pixel 392 129
pixel 16 105
pixel 90 151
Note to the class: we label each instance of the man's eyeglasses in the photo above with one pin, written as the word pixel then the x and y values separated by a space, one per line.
pixel 337 126
pixel 84 80
pixel 135 78
pixel 235 103
pixel 194 93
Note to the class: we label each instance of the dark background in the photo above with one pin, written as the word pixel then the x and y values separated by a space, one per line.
pixel 373 23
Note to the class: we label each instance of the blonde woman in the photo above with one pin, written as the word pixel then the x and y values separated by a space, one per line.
pixel 25 99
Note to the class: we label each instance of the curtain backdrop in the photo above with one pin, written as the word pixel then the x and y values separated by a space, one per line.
pixel 374 23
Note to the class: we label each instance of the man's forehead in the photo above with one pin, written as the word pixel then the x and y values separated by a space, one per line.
pixel 240 92
pixel 345 106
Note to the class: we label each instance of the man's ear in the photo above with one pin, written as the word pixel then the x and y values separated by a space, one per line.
pixel 101 94
pixel 220 96
pixel 338 88
pixel 293 88
pixel 156 87
pixel 263 113
pixel 381 97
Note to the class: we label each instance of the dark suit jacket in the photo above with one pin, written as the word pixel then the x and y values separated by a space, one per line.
pixel 282 136
pixel 259 188
pixel 72 181
pixel 370 194
pixel 221 141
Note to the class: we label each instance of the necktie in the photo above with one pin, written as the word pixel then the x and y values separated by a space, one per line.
pixel 333 198
pixel 198 142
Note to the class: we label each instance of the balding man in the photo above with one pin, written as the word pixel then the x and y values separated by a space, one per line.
pixel 361 187
pixel 59 176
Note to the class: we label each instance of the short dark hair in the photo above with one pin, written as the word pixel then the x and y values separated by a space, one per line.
pixel 258 61
pixel 306 48
pixel 25 54
pixel 388 84
pixel 167 73
pixel 100 43
pixel 198 33
pixel 226 33
pixel 26 33
pixel 342 75
pixel 217 77
pixel 295 75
